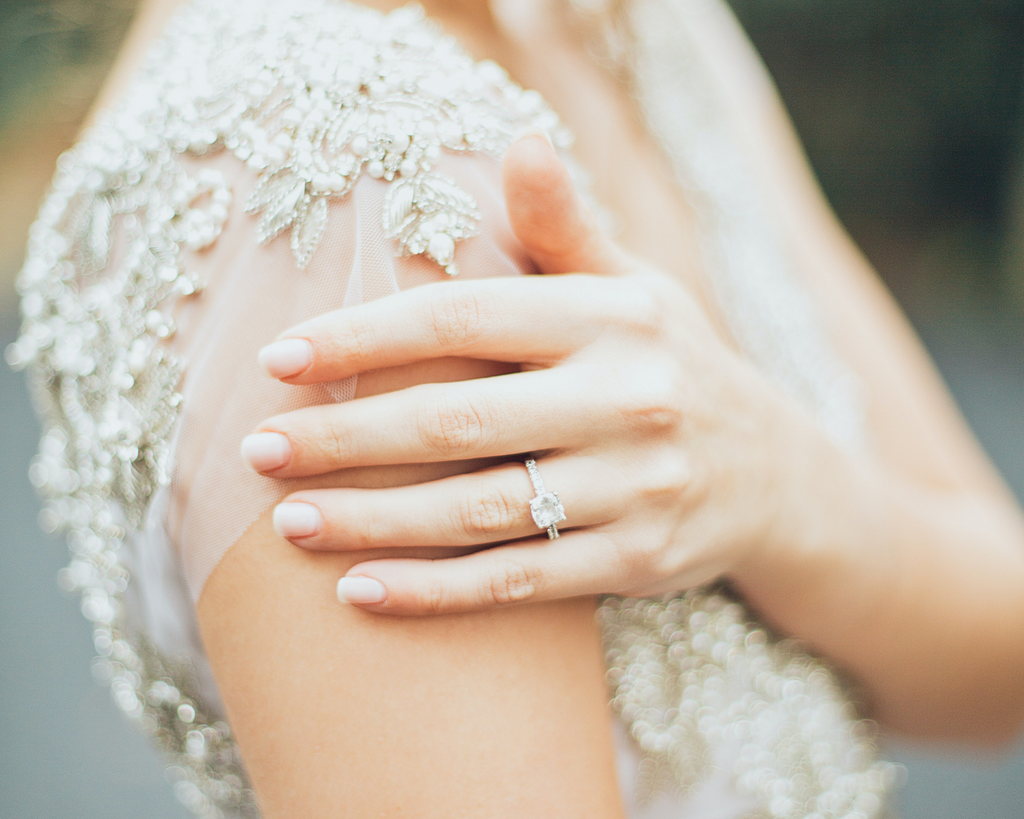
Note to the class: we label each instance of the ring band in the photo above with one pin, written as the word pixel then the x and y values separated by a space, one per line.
pixel 546 508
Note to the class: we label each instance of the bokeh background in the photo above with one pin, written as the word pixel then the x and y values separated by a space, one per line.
pixel 912 116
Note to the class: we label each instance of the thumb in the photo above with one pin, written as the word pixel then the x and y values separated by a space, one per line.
pixel 547 214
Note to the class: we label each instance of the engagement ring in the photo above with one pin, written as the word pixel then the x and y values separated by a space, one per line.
pixel 546 508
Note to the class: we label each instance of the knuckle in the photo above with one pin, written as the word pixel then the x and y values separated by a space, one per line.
pixel 359 342
pixel 487 513
pixel 510 582
pixel 655 403
pixel 637 309
pixel 669 479
pixel 638 560
pixel 452 424
pixel 336 442
pixel 368 530
pixel 434 597
pixel 457 316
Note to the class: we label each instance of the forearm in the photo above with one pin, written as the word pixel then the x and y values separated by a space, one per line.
pixel 917 592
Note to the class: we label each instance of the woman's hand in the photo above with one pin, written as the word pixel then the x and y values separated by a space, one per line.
pixel 668 452
pixel 676 463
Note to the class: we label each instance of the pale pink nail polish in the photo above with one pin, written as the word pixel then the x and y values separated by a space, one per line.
pixel 265 451
pixel 361 591
pixel 297 519
pixel 287 357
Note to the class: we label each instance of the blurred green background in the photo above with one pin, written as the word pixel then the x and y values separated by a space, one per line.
pixel 912 116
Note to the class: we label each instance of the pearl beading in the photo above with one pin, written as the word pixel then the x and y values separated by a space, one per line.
pixel 310 97
pixel 694 676
pixel 310 109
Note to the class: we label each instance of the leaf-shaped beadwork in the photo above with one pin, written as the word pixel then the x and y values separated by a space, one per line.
pixel 280 200
pixel 398 207
pixel 309 95
pixel 388 109
pixel 428 215
pixel 315 95
pixel 308 231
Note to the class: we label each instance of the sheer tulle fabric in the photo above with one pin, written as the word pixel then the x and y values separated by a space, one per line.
pixel 255 292
pixel 252 293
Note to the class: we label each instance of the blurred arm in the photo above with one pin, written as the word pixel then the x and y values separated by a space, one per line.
pixel 918 586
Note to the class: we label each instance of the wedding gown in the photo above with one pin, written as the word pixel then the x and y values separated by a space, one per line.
pixel 273 161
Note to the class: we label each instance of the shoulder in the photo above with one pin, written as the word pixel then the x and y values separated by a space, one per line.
pixel 286 111
pixel 309 97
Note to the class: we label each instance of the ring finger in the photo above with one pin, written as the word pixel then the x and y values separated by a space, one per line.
pixel 489 506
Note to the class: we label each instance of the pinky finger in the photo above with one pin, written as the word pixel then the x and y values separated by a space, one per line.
pixel 578 563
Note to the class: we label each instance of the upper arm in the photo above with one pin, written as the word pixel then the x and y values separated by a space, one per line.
pixel 336 711
pixel 343 713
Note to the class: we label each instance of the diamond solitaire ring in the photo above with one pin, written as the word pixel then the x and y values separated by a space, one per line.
pixel 546 508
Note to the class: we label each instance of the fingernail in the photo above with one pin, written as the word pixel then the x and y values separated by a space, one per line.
pixel 361 591
pixel 266 450
pixel 533 130
pixel 287 357
pixel 297 520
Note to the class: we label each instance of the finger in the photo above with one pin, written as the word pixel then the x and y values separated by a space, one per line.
pixel 525 319
pixel 580 563
pixel 482 418
pixel 547 214
pixel 488 506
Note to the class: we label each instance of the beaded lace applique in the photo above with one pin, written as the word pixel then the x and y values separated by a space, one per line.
pixel 311 108
pixel 93 326
pixel 309 95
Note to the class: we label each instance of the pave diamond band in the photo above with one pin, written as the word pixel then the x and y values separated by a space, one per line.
pixel 546 508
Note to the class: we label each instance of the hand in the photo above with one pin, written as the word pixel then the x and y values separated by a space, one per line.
pixel 666 449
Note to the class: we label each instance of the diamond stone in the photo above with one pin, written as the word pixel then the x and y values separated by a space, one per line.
pixel 547 510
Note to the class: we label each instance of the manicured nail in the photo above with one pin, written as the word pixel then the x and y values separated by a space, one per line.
pixel 361 591
pixel 287 357
pixel 532 130
pixel 266 451
pixel 297 520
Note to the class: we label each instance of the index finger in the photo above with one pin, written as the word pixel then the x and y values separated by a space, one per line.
pixel 529 319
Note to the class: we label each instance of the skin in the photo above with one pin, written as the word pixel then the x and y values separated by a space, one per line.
pixel 340 713
pixel 678 462
pixel 903 564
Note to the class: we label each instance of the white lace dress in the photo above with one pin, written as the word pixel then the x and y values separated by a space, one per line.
pixel 273 161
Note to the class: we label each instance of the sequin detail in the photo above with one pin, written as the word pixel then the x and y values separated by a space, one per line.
pixel 693 675
pixel 312 107
pixel 309 97
pixel 94 323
